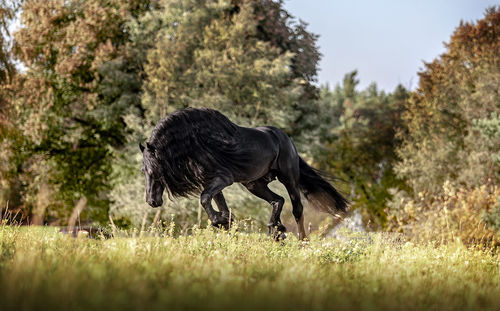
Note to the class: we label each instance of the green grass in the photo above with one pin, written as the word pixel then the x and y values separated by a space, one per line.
pixel 41 268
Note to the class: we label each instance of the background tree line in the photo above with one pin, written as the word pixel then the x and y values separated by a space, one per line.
pixel 95 76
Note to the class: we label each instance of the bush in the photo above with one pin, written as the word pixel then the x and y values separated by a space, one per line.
pixel 470 216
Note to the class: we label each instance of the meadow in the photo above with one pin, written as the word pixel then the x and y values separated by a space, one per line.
pixel 41 268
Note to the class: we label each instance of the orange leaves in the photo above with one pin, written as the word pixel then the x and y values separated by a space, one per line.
pixel 455 214
pixel 70 36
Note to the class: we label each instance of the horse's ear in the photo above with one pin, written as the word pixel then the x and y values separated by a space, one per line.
pixel 150 147
pixel 141 147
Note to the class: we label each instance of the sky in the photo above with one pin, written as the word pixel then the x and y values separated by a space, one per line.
pixel 386 41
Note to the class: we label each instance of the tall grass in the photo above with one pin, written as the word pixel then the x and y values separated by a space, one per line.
pixel 41 268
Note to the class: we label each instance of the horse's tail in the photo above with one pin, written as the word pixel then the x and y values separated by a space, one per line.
pixel 319 193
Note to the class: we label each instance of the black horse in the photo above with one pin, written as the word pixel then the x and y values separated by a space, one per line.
pixel 201 150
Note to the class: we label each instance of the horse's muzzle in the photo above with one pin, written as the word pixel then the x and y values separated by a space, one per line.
pixel 154 203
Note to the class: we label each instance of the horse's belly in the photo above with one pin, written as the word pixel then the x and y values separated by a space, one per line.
pixel 254 172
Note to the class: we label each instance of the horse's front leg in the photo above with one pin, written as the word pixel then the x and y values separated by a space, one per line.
pixel 211 190
pixel 221 204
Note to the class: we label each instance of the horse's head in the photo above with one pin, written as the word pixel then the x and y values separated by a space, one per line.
pixel 155 182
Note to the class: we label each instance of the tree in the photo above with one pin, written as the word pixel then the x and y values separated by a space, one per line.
pixel 79 82
pixel 359 141
pixel 8 11
pixel 228 55
pixel 447 137
pixel 10 137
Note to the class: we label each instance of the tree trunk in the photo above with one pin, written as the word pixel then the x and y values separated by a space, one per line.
pixel 75 215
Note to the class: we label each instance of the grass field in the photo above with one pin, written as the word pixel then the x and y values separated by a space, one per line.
pixel 41 268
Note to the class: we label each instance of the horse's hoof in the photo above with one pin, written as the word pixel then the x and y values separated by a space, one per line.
pixel 278 232
pixel 228 222
pixel 221 224
pixel 222 221
pixel 280 236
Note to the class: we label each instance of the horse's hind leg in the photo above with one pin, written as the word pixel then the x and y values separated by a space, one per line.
pixel 210 191
pixel 298 209
pixel 259 188
pixel 221 204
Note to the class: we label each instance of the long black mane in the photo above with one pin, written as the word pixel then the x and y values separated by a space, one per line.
pixel 192 145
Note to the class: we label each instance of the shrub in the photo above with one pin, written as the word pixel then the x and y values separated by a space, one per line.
pixel 470 216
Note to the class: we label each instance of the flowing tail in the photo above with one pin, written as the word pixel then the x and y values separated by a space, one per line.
pixel 319 193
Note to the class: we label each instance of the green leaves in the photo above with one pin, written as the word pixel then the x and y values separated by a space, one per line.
pixel 214 54
pixel 359 137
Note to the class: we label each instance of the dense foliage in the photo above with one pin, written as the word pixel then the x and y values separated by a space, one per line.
pixel 69 102
pixel 225 55
pixel 358 142
pixel 453 116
